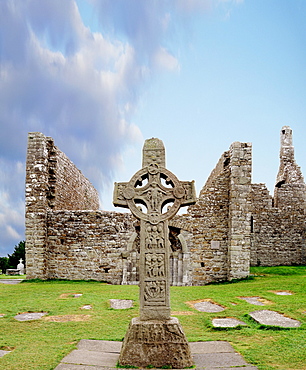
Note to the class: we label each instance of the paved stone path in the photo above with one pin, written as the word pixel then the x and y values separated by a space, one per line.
pixel 103 355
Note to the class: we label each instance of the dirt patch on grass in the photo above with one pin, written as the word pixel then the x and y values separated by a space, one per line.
pixel 67 318
pixel 7 348
pixel 265 301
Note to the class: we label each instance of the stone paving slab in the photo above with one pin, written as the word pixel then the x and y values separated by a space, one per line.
pixel 211 347
pixel 272 318
pixel 93 358
pixel 83 367
pixel 104 355
pixel 222 368
pixel 100 345
pixel 218 361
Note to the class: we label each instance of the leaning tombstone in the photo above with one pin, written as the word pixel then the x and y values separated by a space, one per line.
pixel 20 267
pixel 154 195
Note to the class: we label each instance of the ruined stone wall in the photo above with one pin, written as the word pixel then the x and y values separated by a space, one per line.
pixel 85 245
pixel 208 220
pixel 278 233
pixel 36 204
pixel 239 217
pixel 68 187
pixel 220 220
pixel 278 224
pixel 234 223
pixel 52 182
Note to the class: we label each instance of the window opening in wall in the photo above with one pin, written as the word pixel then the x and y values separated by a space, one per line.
pixel 252 224
pixel 280 183
pixel 106 269
pixel 202 264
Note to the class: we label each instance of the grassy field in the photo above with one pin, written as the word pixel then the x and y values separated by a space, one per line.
pixel 41 344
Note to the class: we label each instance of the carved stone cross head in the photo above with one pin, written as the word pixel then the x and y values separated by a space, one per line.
pixel 154 194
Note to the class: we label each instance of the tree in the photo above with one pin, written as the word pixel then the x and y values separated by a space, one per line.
pixel 19 252
pixel 4 264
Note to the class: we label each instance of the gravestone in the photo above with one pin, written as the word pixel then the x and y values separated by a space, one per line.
pixel 20 267
pixel 154 195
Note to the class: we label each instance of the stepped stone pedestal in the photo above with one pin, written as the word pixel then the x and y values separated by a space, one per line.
pixel 155 343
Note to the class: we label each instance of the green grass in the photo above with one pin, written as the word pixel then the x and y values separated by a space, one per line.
pixel 2 276
pixel 41 344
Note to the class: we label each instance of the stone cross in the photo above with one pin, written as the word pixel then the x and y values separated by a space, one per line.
pixel 154 195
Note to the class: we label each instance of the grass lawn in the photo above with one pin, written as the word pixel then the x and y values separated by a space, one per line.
pixel 41 344
pixel 2 276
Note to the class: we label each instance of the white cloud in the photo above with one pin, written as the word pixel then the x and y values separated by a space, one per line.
pixel 165 61
pixel 78 86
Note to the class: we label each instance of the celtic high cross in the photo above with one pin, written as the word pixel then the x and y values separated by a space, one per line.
pixel 154 195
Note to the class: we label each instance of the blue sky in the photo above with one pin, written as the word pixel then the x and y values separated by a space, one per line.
pixel 101 76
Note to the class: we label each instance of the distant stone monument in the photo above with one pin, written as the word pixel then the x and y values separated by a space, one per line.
pixel 20 267
pixel 154 195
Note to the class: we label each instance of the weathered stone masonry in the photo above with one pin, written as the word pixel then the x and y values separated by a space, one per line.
pixel 233 224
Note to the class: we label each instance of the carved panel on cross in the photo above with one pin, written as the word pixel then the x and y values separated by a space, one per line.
pixel 155 238
pixel 154 292
pixel 155 265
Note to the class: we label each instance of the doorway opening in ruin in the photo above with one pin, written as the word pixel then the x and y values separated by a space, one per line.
pixel 179 258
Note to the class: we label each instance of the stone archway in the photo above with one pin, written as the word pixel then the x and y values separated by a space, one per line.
pixel 179 259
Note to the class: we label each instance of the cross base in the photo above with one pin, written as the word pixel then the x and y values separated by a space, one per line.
pixel 155 343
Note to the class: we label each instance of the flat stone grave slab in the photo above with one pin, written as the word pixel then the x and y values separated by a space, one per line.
pixel 121 304
pixel 282 292
pixel 207 306
pixel 29 316
pixel 254 300
pixel 1 315
pixel 3 353
pixel 11 281
pixel 86 307
pixel 227 322
pixel 272 318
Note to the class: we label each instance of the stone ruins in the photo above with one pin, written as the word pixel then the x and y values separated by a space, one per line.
pixel 234 223
pixel 154 195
